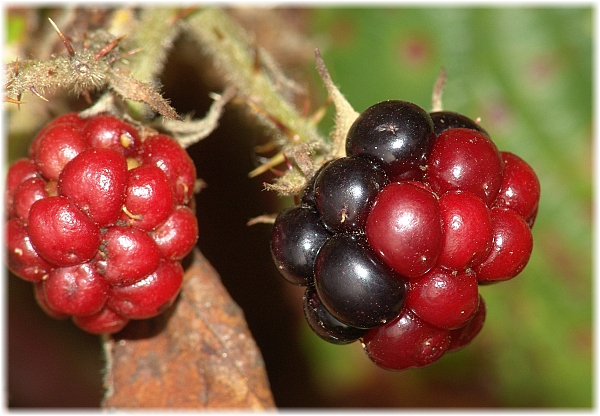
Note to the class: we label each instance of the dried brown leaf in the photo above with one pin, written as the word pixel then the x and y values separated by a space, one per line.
pixel 199 355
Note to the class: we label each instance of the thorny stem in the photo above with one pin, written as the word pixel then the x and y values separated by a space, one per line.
pixel 235 55
pixel 153 33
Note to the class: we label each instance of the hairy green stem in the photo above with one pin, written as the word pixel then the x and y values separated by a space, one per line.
pixel 234 55
pixel 153 33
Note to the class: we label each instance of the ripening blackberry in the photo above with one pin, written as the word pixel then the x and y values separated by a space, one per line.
pixel 99 219
pixel 393 240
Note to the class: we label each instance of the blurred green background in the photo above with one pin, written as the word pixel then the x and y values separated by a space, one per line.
pixel 528 74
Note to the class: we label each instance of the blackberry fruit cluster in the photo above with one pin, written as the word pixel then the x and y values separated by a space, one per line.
pixel 99 219
pixel 393 240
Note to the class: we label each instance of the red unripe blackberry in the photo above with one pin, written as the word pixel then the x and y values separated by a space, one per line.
pixel 177 235
pixel 70 119
pixel 466 230
pixel 61 233
pixel 95 180
pixel 520 189
pixel 444 298
pixel 76 290
pixel 57 146
pixel 462 336
pixel 164 152
pixel 18 172
pixel 40 298
pixel 92 218
pixel 148 198
pixel 22 258
pixel 127 255
pixel 511 247
pixel 26 194
pixel 107 132
pixel 150 296
pixel 404 228
pixel 104 322
pixel 465 159
pixel 406 342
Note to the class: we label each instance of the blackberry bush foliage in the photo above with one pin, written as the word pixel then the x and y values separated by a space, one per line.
pixel 99 218
pixel 393 239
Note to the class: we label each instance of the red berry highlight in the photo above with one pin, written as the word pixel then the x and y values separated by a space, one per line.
pixel 127 255
pixel 466 230
pixel 511 247
pixel 520 189
pixel 163 152
pixel 465 159
pixel 404 228
pixel 406 342
pixel 76 290
pixel 444 298
pixel 95 180
pixel 148 198
pixel 150 296
pixel 61 233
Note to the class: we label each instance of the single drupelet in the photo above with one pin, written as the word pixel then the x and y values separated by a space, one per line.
pixel 393 240
pixel 99 220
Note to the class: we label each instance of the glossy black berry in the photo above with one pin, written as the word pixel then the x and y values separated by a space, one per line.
pixel 396 133
pixel 355 285
pixel 296 238
pixel 344 192
pixel 445 120
pixel 324 324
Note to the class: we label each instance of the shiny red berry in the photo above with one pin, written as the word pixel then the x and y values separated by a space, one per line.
pixel 61 233
pixel 104 322
pixel 466 230
pixel 127 255
pixel 404 228
pixel 76 290
pixel 18 172
pixel 465 159
pixel 177 235
pixel 92 217
pixel 148 198
pixel 40 298
pixel 444 298
pixel 26 194
pixel 57 147
pixel 108 132
pixel 520 190
pixel 95 180
pixel 406 342
pixel 165 153
pixel 463 336
pixel 511 247
pixel 22 258
pixel 150 296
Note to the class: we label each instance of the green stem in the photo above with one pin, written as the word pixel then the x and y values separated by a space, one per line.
pixel 235 56
pixel 154 34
